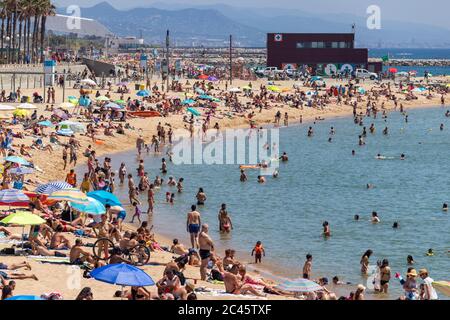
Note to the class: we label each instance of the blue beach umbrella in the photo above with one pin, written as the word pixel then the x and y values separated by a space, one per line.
pixel 45 123
pixel 105 197
pixel 188 101
pixel 123 275
pixel 143 93
pixel 299 285
pixel 84 102
pixel 205 97
pixel 194 112
pixel 25 297
pixel 94 207
pixel 17 160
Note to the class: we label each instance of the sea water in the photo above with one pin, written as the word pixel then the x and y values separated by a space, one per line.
pixel 323 182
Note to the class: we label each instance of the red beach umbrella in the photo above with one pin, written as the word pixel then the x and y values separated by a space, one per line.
pixel 203 77
pixel 393 70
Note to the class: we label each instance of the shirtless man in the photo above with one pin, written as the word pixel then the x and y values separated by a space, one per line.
pixel 128 241
pixel 105 229
pixel 178 248
pixel 206 247
pixel 234 285
pixel 78 255
pixel 193 225
pixel 307 267
pixel 59 240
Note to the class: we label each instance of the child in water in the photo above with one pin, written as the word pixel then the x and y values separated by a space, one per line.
pixel 167 197
pixel 172 198
pixel 258 251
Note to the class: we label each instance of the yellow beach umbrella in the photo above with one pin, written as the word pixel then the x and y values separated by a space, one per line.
pixel 274 89
pixel 72 195
pixel 21 113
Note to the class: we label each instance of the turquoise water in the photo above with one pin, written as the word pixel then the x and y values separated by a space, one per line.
pixel 323 181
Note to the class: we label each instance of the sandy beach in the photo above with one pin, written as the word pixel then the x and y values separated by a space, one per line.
pixel 67 280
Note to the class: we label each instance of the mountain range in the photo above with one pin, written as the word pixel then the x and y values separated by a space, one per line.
pixel 211 25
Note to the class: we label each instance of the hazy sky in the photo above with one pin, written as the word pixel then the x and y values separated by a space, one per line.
pixel 431 12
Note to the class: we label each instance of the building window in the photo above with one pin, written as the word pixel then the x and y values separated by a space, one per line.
pixel 335 45
pixel 304 45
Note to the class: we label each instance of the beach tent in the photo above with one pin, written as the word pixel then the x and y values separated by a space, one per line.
pixel 72 126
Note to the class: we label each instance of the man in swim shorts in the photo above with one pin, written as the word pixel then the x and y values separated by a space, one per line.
pixel 206 247
pixel 193 225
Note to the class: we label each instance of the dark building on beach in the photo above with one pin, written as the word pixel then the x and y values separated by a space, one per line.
pixel 325 53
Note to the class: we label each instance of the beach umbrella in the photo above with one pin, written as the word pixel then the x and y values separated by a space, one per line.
pixel 299 285
pixel 21 171
pixel 393 70
pixel 105 197
pixel 46 123
pixel 93 207
pixel 361 90
pixel 7 108
pixel 102 98
pixel 23 219
pixel 120 102
pixel 10 196
pixel 114 106
pixel 72 195
pixel 67 105
pixel 205 97
pixel 61 114
pixel 65 132
pixel 89 82
pixel 443 287
pixel 49 188
pixel 84 102
pixel 21 113
pixel 143 93
pixel 188 101
pixel 27 106
pixel 195 112
pixel 122 274
pixel 25 297
pixel 213 79
pixel 18 160
pixel 273 89
pixel 203 77
pixel 74 101
pixel 199 91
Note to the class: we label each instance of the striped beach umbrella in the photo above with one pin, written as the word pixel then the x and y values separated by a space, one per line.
pixel 49 188
pixel 105 197
pixel 299 285
pixel 73 195
pixel 10 196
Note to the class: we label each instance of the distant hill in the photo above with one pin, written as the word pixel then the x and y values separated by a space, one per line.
pixel 211 25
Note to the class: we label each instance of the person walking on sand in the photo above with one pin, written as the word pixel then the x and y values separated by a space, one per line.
pixel 193 225
pixel 206 246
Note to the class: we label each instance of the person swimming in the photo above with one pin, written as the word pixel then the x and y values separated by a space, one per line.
pixel 445 207
pixel 410 260
pixel 395 225
pixel 326 229
pixel 356 217
pixel 430 253
pixel 402 156
pixel 375 218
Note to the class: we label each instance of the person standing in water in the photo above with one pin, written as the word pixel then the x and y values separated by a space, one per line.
pixel 225 224
pixel 307 267
pixel 193 225
pixel 365 261
pixel 201 197
pixel 326 229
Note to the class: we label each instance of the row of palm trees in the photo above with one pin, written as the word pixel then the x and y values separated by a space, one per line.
pixel 22 34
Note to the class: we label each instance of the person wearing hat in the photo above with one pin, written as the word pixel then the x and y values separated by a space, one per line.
pixel 430 292
pixel 410 284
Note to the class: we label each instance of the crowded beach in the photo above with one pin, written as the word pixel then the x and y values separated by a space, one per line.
pixel 64 236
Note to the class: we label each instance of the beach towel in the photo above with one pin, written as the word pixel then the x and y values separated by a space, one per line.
pixel 50 259
pixel 222 293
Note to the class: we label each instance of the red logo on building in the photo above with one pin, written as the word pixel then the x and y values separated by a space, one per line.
pixel 278 37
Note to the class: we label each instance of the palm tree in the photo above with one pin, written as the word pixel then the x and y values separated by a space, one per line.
pixel 48 9
pixel 3 17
